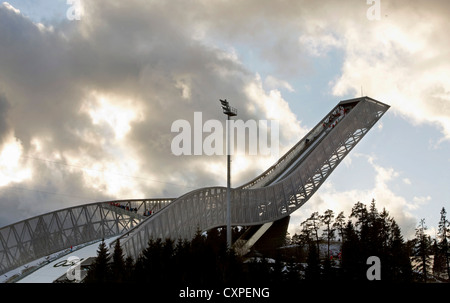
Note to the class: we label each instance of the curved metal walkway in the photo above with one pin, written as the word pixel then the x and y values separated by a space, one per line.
pixel 273 195
pixel 40 236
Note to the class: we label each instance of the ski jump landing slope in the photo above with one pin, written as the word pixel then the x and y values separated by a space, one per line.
pixel 275 194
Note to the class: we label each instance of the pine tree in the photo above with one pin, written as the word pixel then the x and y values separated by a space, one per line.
pixel 167 256
pixel 359 212
pixel 438 261
pixel 315 223
pixel 422 250
pixel 365 226
pixel 385 230
pixel 339 224
pixel 148 265
pixel 230 266
pixel 181 262
pixel 351 254
pixel 375 237
pixel 327 219
pixel 118 263
pixel 305 236
pixel 399 265
pixel 313 270
pixel 203 261
pixel 100 271
pixel 443 246
pixel 373 212
pixel 129 269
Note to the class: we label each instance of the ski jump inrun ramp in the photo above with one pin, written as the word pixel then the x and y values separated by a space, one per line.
pixel 273 195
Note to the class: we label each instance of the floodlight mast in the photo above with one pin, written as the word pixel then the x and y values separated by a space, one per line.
pixel 229 111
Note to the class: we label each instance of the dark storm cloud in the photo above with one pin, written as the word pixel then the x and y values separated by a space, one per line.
pixel 37 80
pixel 167 58
pixel 130 50
pixel 4 124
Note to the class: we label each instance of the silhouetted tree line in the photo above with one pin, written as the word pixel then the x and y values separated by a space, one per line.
pixel 203 261
pixel 431 257
pixel 367 232
pixel 206 260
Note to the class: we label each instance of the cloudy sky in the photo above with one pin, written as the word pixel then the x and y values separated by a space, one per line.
pixel 86 106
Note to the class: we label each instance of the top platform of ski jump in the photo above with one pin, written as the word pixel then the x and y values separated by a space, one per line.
pixel 273 195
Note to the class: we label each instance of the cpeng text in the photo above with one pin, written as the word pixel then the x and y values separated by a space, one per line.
pixel 238 292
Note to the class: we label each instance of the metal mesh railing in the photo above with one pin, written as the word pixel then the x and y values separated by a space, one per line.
pixel 40 236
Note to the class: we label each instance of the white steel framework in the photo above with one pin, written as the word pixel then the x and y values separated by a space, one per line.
pixel 273 195
pixel 40 236
pixel 276 193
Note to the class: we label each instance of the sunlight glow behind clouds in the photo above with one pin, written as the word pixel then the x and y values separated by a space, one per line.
pixel 10 7
pixel 106 110
pixel 100 94
pixel 395 64
pixel 11 169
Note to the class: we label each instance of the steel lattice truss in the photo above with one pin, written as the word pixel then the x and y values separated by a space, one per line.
pixel 251 204
pixel 273 195
pixel 40 236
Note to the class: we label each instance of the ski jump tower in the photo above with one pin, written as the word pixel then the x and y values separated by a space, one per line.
pixel 276 193
pixel 270 197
